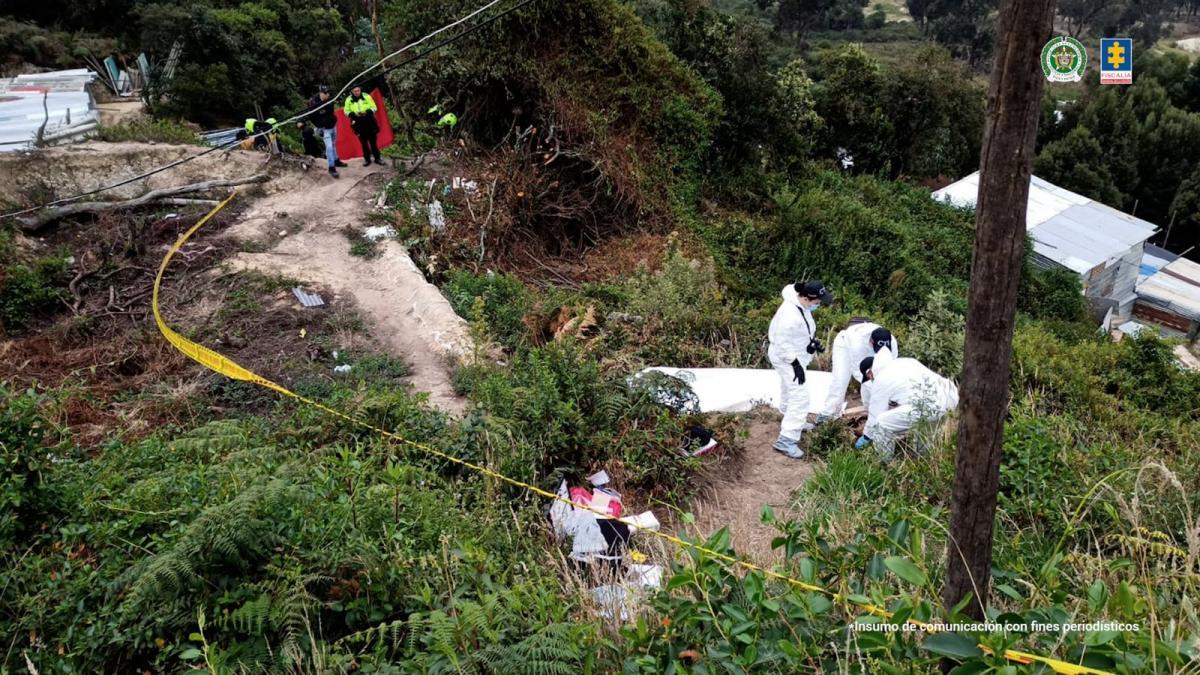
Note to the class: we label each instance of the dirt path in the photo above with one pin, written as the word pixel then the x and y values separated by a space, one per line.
pixel 408 315
pixel 765 477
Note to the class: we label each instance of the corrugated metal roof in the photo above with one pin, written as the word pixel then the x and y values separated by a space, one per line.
pixel 1154 259
pixel 1072 230
pixel 1175 287
pixel 307 299
pixel 67 103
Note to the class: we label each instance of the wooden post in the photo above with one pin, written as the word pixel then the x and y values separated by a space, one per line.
pixel 1010 129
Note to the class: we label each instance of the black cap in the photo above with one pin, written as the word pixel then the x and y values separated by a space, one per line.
pixel 865 365
pixel 880 338
pixel 323 89
pixel 814 290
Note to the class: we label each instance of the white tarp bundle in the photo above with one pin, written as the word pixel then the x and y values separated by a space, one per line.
pixel 741 389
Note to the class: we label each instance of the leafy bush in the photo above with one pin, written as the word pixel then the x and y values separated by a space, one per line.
pixel 27 290
pixel 578 419
pixel 27 444
pixel 506 302
pixel 936 335
pixel 30 43
pixel 688 315
pixel 149 130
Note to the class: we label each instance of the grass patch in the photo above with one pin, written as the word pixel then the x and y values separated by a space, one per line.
pixel 361 246
pixel 147 129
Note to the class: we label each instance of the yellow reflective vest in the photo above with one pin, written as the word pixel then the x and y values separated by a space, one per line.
pixel 361 106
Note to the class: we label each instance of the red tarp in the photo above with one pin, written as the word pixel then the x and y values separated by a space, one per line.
pixel 348 146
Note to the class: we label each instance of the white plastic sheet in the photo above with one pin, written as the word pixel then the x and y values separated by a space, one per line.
pixel 742 389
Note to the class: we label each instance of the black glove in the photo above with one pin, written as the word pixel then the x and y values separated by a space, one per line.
pixel 799 371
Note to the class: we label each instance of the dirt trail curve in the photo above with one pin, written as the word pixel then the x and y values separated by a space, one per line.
pixel 765 477
pixel 409 315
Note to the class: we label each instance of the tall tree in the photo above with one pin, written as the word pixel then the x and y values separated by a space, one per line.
pixel 1010 131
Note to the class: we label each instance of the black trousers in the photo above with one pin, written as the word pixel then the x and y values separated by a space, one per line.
pixel 366 131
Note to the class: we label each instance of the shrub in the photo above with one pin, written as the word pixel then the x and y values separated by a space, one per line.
pixel 936 335
pixel 578 419
pixel 27 290
pixel 506 302
pixel 149 130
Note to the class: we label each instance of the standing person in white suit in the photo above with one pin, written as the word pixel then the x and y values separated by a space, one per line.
pixel 852 345
pixel 903 392
pixel 793 336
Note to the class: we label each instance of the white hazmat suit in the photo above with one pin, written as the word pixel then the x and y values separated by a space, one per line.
pixel 919 394
pixel 850 347
pixel 792 329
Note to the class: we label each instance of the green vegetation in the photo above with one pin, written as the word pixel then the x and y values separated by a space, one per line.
pixel 149 129
pixel 1133 147
pixel 29 289
pixel 235 531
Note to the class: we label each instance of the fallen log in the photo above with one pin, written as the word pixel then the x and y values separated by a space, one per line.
pixel 40 219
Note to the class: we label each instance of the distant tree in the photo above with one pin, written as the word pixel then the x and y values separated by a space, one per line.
pixel 1077 163
pixel 1190 89
pixel 844 15
pixel 1171 72
pixel 1142 20
pixel 1082 15
pixel 731 54
pixel 796 18
pixel 1056 119
pixel 936 113
pixel 965 27
pixel 1183 227
pixel 1115 126
pixel 917 10
pixel 920 122
pixel 850 97
pixel 795 109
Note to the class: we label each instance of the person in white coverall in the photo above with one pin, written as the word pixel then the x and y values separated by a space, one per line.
pixel 903 392
pixel 793 337
pixel 850 347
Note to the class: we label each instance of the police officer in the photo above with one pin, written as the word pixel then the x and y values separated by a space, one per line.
pixel 361 108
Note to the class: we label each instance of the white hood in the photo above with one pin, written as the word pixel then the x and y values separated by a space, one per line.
pixel 790 295
pixel 790 330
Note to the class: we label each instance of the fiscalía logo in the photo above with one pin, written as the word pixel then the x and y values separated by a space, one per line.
pixel 1064 59
pixel 1116 61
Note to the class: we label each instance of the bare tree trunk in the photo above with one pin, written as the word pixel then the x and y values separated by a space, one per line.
pixel 38 219
pixel 392 100
pixel 1014 97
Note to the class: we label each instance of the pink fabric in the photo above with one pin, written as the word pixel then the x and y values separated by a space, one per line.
pixel 583 497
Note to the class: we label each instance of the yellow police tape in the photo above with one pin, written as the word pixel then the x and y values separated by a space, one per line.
pixel 220 364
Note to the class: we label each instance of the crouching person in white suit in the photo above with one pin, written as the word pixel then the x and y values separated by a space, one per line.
pixel 903 393
pixel 850 347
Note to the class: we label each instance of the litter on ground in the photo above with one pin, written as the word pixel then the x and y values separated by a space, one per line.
pixel 377 232
pixel 307 299
pixel 437 216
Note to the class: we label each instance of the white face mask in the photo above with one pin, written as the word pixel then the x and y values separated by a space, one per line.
pixel 815 307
